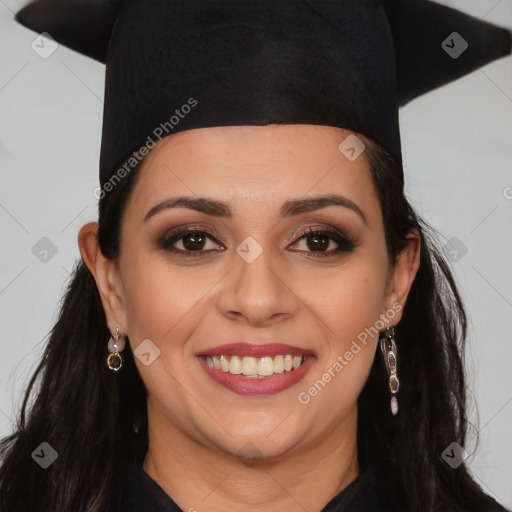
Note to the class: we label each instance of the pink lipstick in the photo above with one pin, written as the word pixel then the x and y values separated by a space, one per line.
pixel 256 369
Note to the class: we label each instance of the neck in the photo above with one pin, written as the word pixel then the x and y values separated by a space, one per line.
pixel 201 477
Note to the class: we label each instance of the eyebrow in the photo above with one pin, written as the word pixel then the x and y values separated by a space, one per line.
pixel 288 209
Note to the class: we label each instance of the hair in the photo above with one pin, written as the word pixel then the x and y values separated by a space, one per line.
pixel 92 416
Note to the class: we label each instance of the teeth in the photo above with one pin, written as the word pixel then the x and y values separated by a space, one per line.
pixel 278 364
pixel 235 365
pixel 224 364
pixel 249 366
pixel 254 366
pixel 265 366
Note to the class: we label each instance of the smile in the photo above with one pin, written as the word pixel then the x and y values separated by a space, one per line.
pixel 248 368
pixel 254 367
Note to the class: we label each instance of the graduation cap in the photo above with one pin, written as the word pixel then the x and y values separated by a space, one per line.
pixel 174 65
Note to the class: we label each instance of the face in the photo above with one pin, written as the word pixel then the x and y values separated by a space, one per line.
pixel 272 265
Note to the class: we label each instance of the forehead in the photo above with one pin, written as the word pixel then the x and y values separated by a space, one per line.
pixel 254 166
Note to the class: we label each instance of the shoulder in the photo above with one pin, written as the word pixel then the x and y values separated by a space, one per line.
pixel 136 491
pixel 370 492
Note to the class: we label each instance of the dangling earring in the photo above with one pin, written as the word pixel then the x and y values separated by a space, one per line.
pixel 115 345
pixel 388 347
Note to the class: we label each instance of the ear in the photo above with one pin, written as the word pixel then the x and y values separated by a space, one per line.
pixel 402 274
pixel 106 274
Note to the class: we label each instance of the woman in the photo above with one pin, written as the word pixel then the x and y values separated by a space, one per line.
pixel 260 321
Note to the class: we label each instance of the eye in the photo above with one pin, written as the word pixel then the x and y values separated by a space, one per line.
pixel 192 241
pixel 319 240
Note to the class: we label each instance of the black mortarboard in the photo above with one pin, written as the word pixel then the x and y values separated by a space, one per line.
pixel 173 65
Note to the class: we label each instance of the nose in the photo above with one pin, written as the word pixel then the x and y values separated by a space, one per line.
pixel 258 292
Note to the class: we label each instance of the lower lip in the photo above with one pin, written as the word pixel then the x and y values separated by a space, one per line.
pixel 255 385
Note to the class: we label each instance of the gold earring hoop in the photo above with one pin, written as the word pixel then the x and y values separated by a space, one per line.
pixel 388 348
pixel 115 346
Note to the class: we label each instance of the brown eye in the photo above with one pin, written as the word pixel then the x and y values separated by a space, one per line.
pixel 193 242
pixel 318 241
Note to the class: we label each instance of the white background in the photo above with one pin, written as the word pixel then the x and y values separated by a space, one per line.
pixel 457 147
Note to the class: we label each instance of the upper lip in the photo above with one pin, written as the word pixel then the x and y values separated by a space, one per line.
pixel 255 350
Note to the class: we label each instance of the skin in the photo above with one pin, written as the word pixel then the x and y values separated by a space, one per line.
pixel 199 432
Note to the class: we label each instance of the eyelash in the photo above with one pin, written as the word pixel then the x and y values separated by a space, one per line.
pixel 345 244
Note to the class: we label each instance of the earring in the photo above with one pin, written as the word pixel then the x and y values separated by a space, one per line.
pixel 115 345
pixel 388 347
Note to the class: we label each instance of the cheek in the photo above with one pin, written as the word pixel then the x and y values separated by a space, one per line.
pixel 349 305
pixel 350 299
pixel 159 299
pixel 353 300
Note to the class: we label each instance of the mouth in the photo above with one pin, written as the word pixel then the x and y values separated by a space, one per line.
pixel 256 369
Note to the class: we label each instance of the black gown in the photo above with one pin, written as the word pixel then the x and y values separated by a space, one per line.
pixel 140 493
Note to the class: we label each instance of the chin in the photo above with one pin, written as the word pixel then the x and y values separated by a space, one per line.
pixel 254 448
